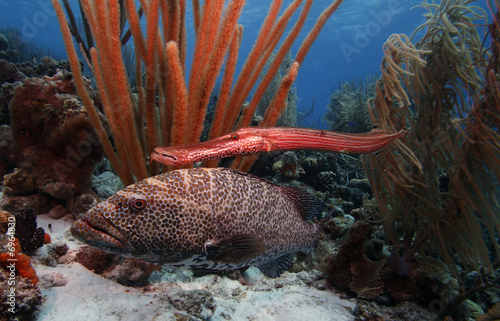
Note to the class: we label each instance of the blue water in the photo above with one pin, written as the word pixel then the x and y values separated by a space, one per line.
pixel 350 45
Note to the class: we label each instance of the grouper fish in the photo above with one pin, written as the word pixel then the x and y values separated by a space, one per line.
pixel 205 219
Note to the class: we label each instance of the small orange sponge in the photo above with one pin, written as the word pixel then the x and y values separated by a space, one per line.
pixel 22 262
pixel 46 238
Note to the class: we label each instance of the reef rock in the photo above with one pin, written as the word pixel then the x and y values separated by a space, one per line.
pixel 4 42
pixel 366 311
pixel 46 67
pixel 363 184
pixel 5 217
pixel 106 184
pixel 52 279
pixel 83 203
pixel 126 271
pixel 9 72
pixel 18 182
pixel 58 212
pixel 288 166
pixel 18 203
pixel 53 142
pixel 25 300
pixel 197 303
pixel 131 272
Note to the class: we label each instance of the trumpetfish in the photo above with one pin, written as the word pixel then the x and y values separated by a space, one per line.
pixel 252 140
pixel 205 219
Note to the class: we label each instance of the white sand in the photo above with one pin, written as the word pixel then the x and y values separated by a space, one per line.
pixel 88 296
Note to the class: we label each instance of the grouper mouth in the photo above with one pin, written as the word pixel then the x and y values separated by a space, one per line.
pixel 97 231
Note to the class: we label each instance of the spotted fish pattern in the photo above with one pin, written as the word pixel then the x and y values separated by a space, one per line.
pixel 205 218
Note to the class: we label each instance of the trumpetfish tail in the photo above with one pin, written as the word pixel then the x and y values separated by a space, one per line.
pixel 252 140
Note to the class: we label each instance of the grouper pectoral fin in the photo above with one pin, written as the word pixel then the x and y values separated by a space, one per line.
pixel 274 268
pixel 235 248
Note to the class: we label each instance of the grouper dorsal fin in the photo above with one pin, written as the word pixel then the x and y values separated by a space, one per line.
pixel 274 268
pixel 235 248
pixel 308 205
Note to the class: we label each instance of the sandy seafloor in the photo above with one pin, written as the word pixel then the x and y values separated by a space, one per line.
pixel 88 296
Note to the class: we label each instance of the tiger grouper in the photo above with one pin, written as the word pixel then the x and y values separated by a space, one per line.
pixel 205 219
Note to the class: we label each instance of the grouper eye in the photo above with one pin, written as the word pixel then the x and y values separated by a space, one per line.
pixel 137 204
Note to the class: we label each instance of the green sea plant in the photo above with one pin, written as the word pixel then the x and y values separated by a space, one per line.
pixel 346 111
pixel 437 189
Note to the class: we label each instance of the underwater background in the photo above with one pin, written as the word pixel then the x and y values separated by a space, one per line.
pixel 349 47
pixel 405 197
